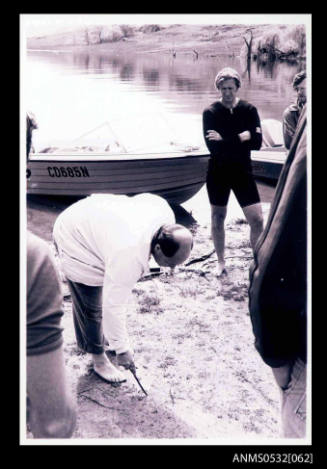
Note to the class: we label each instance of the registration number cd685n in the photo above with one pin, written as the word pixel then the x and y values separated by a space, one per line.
pixel 68 171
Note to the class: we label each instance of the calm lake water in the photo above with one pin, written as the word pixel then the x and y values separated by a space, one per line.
pixel 140 101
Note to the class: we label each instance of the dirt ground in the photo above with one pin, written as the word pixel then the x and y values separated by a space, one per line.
pixel 193 345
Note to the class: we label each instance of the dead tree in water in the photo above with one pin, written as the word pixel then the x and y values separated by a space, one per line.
pixel 249 44
pixel 272 49
pixel 196 54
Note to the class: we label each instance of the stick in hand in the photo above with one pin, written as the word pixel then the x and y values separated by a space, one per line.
pixel 138 381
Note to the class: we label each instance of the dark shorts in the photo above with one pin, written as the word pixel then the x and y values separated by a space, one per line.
pixel 221 180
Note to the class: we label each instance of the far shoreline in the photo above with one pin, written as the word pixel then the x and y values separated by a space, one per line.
pixel 207 40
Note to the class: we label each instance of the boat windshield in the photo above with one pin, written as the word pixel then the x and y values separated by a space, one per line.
pixel 148 133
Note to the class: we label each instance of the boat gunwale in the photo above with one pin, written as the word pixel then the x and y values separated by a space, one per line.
pixel 256 155
pixel 118 157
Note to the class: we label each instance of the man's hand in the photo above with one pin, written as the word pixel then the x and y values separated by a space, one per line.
pixel 283 375
pixel 244 136
pixel 213 135
pixel 126 360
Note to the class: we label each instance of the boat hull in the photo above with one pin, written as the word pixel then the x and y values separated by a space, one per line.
pixel 268 163
pixel 176 177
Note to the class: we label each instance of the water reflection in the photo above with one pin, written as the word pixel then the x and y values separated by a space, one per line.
pixel 272 67
pixel 247 70
pixel 183 85
pixel 268 66
pixel 151 76
pixel 189 73
pixel 127 72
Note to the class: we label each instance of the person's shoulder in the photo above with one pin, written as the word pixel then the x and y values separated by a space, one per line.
pixel 246 105
pixel 290 109
pixel 213 107
pixel 38 253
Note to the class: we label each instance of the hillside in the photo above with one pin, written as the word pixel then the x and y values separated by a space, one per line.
pixel 186 38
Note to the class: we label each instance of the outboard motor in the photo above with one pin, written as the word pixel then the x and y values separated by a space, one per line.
pixel 30 126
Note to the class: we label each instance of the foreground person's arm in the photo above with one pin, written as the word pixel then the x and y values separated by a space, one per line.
pixel 52 413
pixel 52 410
pixel 289 127
pixel 254 132
pixel 120 278
pixel 283 375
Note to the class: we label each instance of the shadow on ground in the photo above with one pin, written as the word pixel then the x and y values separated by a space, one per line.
pixel 109 411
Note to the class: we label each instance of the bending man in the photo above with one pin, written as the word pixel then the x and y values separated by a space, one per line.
pixel 105 242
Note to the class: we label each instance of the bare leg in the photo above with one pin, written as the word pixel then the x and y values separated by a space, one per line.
pixel 253 214
pixel 104 368
pixel 87 314
pixel 218 215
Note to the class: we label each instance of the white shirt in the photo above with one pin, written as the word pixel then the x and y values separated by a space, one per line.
pixel 104 240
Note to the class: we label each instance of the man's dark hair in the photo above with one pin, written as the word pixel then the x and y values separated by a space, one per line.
pixel 298 78
pixel 166 240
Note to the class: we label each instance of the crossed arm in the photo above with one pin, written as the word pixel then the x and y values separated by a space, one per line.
pixel 216 140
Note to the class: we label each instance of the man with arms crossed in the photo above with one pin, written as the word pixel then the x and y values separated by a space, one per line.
pixel 231 129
